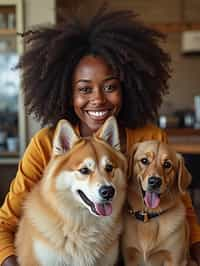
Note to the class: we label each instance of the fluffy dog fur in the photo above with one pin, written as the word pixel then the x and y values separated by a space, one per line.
pixel 158 177
pixel 72 217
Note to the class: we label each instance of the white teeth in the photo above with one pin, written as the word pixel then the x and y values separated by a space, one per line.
pixel 98 114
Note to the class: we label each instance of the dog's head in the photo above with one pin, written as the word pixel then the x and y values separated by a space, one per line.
pixel 88 172
pixel 158 170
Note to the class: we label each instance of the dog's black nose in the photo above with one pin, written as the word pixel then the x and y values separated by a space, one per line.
pixel 154 182
pixel 107 192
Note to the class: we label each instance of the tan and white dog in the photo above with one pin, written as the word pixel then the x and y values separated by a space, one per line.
pixel 156 230
pixel 73 215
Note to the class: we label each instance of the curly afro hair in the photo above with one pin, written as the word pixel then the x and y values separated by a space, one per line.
pixel 130 48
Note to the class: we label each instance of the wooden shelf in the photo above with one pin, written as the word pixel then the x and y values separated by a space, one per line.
pixel 13 22
pixel 183 131
pixel 8 154
pixel 186 148
pixel 175 27
pixel 184 140
pixel 9 161
pixel 8 32
pixel 7 8
pixel 7 158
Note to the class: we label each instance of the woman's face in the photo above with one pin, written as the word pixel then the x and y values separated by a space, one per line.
pixel 96 93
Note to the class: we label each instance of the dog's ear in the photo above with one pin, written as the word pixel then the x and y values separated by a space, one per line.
pixel 64 137
pixel 184 176
pixel 110 132
pixel 131 156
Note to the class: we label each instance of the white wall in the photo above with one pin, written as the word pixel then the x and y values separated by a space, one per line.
pixel 37 12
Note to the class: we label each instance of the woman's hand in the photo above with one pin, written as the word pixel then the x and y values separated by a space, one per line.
pixel 10 261
pixel 195 252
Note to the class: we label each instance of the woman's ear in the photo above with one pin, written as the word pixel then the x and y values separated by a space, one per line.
pixel 184 176
pixel 110 132
pixel 64 137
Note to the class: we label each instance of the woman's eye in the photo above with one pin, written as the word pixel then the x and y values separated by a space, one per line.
pixel 109 88
pixel 144 161
pixel 167 164
pixel 84 171
pixel 85 90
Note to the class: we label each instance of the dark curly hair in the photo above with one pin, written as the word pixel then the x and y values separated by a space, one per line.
pixel 130 48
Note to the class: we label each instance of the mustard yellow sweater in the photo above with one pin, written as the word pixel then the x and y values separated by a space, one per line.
pixel 30 171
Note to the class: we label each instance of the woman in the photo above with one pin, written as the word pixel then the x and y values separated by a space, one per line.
pixel 85 71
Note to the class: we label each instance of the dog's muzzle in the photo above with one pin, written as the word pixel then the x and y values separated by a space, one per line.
pixel 102 207
pixel 107 192
pixel 154 182
pixel 152 194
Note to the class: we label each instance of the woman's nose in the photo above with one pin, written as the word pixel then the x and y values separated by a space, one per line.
pixel 98 97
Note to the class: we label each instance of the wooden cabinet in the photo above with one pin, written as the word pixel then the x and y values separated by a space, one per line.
pixel 12 118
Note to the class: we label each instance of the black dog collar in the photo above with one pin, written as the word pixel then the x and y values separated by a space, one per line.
pixel 143 215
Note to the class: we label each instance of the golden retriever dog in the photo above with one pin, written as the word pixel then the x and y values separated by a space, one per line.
pixel 73 216
pixel 156 231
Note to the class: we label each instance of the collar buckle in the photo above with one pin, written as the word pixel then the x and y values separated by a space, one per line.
pixel 145 216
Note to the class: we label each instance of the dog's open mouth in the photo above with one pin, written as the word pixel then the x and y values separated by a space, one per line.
pixel 151 199
pixel 100 209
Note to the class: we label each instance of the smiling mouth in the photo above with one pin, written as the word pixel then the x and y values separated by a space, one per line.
pixel 98 115
pixel 99 209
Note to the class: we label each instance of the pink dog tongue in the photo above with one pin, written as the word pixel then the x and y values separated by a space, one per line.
pixel 104 209
pixel 151 199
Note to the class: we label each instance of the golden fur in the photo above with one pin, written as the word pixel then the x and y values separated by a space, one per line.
pixel 158 177
pixel 58 226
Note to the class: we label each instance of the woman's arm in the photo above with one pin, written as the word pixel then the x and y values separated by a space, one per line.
pixel 194 229
pixel 29 172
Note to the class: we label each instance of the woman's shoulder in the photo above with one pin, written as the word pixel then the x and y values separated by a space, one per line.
pixel 43 139
pixel 147 129
pixel 44 133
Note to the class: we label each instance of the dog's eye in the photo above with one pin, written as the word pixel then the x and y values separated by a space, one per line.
pixel 108 167
pixel 167 164
pixel 144 161
pixel 85 171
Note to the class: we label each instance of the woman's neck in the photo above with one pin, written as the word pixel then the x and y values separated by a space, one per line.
pixel 85 131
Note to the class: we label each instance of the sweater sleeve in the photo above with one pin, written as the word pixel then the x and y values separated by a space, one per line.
pixel 192 219
pixel 30 170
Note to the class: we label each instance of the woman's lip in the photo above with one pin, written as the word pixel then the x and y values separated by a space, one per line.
pixel 98 115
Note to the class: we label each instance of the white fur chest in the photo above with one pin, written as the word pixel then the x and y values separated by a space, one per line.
pixel 81 246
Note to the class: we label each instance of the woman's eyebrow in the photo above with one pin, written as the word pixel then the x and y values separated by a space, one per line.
pixel 110 78
pixel 82 80
pixel 88 80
